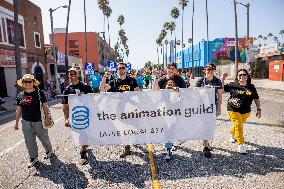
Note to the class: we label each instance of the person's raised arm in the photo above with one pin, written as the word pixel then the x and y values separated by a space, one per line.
pixel 104 86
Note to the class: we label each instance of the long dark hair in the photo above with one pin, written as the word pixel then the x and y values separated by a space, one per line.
pixel 249 78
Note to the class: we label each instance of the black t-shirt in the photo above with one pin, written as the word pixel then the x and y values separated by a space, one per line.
pixel 201 82
pixel 118 85
pixel 70 89
pixel 30 104
pixel 245 93
pixel 179 82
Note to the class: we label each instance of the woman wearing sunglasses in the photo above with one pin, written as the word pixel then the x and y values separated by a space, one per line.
pixel 242 93
pixel 28 106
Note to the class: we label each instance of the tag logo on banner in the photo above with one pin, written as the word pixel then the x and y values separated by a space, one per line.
pixel 80 117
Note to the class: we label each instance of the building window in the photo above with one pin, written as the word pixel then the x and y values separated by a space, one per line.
pixel 4 30
pixel 73 43
pixel 37 40
pixel 75 53
pixel 11 32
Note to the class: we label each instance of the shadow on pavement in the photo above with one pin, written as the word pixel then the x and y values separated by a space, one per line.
pixel 261 161
pixel 68 175
pixel 119 171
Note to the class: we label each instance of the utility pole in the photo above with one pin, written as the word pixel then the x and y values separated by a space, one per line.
pixel 58 91
pixel 192 48
pixel 16 42
pixel 66 38
pixel 236 38
pixel 86 41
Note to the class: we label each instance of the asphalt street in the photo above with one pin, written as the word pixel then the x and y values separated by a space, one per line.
pixel 263 167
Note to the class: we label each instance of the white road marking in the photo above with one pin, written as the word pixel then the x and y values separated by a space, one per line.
pixel 21 141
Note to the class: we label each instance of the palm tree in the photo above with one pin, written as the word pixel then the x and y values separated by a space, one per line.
pixel 175 15
pixel 269 35
pixel 121 20
pixel 264 40
pixel 183 4
pixel 107 12
pixel 260 37
pixel 170 26
pixel 159 42
pixel 190 41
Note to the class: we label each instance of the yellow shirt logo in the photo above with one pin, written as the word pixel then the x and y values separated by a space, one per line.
pixel 124 88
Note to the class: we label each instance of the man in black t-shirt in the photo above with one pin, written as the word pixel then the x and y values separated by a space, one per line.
pixel 76 87
pixel 121 84
pixel 162 83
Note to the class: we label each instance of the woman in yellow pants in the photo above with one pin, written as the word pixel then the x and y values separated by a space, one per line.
pixel 242 93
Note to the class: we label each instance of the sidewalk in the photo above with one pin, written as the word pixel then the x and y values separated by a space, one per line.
pixel 10 104
pixel 259 83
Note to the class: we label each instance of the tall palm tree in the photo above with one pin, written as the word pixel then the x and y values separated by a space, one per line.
pixel 107 12
pixel 260 37
pixel 264 40
pixel 159 42
pixel 175 15
pixel 170 26
pixel 183 4
pixel 269 35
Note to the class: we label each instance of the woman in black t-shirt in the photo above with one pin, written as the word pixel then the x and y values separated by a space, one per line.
pixel 28 105
pixel 242 93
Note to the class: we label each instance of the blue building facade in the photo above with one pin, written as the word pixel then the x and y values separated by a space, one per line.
pixel 221 51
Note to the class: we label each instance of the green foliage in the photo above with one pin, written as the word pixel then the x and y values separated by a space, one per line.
pixel 175 13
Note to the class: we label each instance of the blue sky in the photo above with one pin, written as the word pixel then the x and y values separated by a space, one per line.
pixel 144 20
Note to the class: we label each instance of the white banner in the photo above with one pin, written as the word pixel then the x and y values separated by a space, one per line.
pixel 143 117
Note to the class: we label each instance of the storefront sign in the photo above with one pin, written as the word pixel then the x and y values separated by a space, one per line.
pixel 7 59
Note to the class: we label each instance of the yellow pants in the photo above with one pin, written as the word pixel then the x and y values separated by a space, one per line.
pixel 237 129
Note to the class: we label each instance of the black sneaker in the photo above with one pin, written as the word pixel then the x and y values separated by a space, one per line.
pixel 48 154
pixel 209 147
pixel 84 157
pixel 126 152
pixel 168 156
pixel 33 162
pixel 207 152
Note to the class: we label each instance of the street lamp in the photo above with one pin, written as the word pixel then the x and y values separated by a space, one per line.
pixel 236 38
pixel 53 48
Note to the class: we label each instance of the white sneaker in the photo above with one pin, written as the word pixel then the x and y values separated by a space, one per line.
pixel 232 139
pixel 242 149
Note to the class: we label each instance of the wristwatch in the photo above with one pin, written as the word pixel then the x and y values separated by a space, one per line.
pixel 258 109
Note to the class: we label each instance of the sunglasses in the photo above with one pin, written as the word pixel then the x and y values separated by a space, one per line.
pixel 240 75
pixel 209 69
pixel 27 81
pixel 121 68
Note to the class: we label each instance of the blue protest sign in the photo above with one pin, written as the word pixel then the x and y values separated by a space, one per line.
pixel 111 65
pixel 89 68
pixel 128 66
